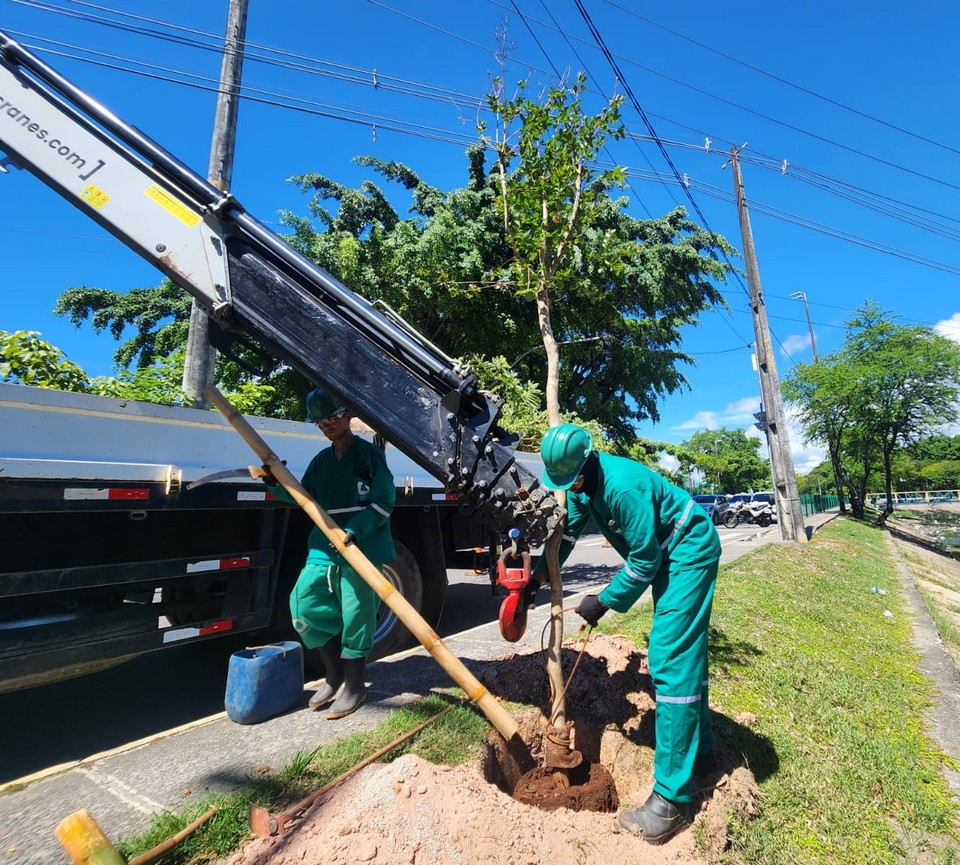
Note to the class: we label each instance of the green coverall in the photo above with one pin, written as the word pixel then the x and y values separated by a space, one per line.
pixel 669 542
pixel 330 597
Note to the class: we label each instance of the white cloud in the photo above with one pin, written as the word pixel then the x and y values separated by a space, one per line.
pixel 669 462
pixel 701 420
pixel 794 344
pixel 742 409
pixel 806 457
pixel 949 327
pixel 736 413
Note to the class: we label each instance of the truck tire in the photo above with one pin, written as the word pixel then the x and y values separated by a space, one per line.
pixel 404 574
pixel 391 635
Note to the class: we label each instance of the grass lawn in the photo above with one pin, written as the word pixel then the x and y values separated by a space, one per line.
pixel 812 682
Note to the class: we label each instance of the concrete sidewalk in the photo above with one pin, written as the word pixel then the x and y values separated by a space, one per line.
pixel 123 789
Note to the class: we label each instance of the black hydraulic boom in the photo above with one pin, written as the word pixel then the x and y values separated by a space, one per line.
pixel 253 282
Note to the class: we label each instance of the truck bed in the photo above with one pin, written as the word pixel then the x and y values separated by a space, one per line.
pixel 48 435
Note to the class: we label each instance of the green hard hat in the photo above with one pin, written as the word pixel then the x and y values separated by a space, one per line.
pixel 320 405
pixel 564 449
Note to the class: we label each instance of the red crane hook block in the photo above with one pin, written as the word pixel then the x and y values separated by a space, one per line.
pixel 513 613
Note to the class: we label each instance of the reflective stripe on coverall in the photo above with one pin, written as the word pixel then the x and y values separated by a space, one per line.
pixel 330 597
pixel 669 543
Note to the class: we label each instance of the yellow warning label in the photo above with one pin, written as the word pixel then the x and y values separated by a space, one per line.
pixel 173 206
pixel 95 196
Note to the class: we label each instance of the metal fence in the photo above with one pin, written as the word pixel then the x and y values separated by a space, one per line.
pixel 916 497
pixel 818 504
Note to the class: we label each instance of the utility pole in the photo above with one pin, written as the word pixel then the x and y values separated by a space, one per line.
pixel 201 356
pixel 778 442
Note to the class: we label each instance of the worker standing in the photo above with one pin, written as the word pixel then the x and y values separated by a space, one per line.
pixel 671 545
pixel 333 609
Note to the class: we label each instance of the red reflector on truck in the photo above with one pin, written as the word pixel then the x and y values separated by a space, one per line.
pixel 174 635
pixel 217 627
pixel 239 562
pixel 219 564
pixel 106 494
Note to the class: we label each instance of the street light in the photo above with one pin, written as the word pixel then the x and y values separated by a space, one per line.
pixel 798 295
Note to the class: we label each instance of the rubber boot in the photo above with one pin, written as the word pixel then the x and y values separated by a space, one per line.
pixel 656 820
pixel 354 691
pixel 334 670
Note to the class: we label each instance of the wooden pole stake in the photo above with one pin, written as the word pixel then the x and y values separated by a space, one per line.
pixel 475 691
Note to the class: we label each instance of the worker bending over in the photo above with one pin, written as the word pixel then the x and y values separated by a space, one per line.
pixel 671 545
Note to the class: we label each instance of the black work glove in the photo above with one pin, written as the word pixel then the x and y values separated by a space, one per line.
pixel 267 475
pixel 591 609
pixel 349 539
pixel 530 592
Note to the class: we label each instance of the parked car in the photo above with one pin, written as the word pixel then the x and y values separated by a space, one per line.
pixel 767 496
pixel 716 506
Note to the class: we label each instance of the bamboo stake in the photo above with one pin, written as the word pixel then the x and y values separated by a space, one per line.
pixel 84 841
pixel 155 854
pixel 476 692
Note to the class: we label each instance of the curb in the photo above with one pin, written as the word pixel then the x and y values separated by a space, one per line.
pixel 937 665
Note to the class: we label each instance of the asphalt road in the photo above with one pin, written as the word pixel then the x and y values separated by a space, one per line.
pixel 70 721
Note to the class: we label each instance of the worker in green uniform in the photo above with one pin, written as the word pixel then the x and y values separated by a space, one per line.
pixel 334 610
pixel 669 544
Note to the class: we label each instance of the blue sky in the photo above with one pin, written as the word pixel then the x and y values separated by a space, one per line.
pixel 859 99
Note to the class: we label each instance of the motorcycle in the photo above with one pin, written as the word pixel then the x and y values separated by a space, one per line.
pixel 758 513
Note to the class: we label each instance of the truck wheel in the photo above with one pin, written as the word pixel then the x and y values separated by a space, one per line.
pixel 731 520
pixel 404 574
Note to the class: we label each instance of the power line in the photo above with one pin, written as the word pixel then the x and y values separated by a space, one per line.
pixel 401 126
pixel 264 97
pixel 371 78
pixel 813 225
pixel 598 38
pixel 680 82
pixel 782 80
pixel 577 55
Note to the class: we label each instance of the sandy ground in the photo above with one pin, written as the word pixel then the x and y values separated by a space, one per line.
pixel 411 812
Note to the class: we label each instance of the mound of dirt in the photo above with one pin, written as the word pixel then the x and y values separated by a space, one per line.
pixel 411 812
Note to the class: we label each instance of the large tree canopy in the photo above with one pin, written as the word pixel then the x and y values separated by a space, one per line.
pixel 890 384
pixel 447 270
pixel 158 315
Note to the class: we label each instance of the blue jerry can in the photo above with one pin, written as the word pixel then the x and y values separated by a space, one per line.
pixel 263 682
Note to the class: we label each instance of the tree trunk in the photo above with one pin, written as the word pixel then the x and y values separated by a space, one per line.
pixel 887 488
pixel 833 445
pixel 558 713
